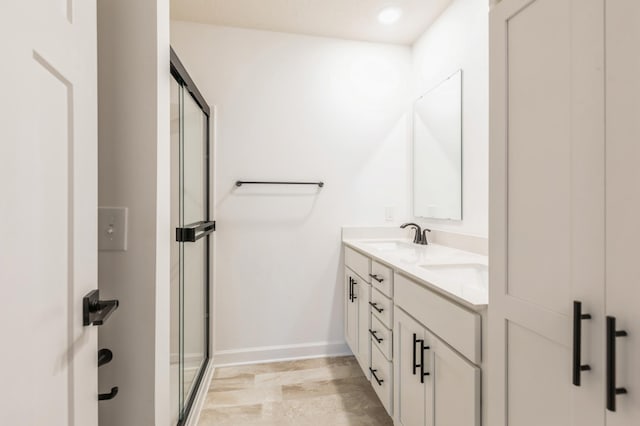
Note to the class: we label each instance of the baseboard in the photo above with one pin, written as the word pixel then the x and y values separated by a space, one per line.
pixel 280 353
pixel 201 396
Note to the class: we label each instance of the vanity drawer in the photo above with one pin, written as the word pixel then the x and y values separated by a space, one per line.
pixel 382 278
pixel 458 326
pixel 381 337
pixel 358 263
pixel 382 308
pixel 382 378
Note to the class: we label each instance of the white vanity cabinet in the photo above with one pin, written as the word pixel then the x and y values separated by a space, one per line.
pixel 422 351
pixel 434 384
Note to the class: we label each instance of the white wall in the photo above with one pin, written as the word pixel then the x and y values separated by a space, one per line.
pixel 134 170
pixel 459 39
pixel 295 107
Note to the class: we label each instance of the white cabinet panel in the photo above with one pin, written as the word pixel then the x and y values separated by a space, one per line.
pixel 382 379
pixel 382 278
pixel 410 394
pixel 456 396
pixel 350 312
pixel 358 263
pixel 363 291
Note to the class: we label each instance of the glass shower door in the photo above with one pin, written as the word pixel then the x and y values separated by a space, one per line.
pixel 190 253
pixel 193 254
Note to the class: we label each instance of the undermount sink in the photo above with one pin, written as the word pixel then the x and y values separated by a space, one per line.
pixel 466 274
pixel 390 245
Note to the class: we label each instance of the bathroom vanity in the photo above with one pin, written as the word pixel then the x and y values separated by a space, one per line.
pixel 414 318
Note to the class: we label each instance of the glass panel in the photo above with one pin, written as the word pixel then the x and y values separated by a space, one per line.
pixel 193 197
pixel 175 381
pixel 437 151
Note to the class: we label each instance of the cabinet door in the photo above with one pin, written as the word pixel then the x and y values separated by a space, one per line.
pixel 546 210
pixel 456 388
pixel 350 312
pixel 410 393
pixel 363 291
pixel 623 201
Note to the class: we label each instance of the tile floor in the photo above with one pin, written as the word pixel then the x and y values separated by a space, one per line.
pixel 318 392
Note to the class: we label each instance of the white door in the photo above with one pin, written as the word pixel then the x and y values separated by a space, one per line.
pixel 623 202
pixel 410 392
pixel 48 208
pixel 547 211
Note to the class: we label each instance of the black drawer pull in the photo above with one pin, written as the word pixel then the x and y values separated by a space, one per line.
pixel 108 396
pixel 104 357
pixel 578 317
pixel 373 373
pixel 375 306
pixel 422 372
pixel 376 277
pixel 612 390
pixel 378 339
pixel 353 290
pixel 350 289
pixel 96 311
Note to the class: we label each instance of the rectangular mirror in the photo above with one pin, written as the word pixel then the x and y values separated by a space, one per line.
pixel 437 151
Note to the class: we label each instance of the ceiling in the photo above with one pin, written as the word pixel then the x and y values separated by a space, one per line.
pixel 349 19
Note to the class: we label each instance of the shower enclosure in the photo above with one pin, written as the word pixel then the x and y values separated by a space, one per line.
pixel 191 244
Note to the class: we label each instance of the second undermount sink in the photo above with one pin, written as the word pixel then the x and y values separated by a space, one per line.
pixel 468 274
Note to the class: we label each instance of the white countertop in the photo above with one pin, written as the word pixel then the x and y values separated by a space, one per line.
pixel 457 274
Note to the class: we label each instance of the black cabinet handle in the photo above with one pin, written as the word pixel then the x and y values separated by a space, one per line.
pixel 422 372
pixel 373 373
pixel 104 357
pixel 375 336
pixel 96 311
pixel 108 396
pixel 376 277
pixel 353 290
pixel 415 342
pixel 350 289
pixel 578 367
pixel 612 390
pixel 375 306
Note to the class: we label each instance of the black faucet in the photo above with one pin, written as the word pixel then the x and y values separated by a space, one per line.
pixel 418 235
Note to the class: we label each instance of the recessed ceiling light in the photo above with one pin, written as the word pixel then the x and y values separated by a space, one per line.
pixel 389 15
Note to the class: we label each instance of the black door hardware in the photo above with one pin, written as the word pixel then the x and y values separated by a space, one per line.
pixel 422 372
pixel 350 289
pixel 353 291
pixel 415 342
pixel 108 396
pixel 376 277
pixel 578 317
pixel 612 390
pixel 195 231
pixel 373 373
pixel 375 336
pixel 375 306
pixel 104 357
pixel 96 311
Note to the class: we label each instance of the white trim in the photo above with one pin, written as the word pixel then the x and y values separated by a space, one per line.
pixel 201 396
pixel 267 354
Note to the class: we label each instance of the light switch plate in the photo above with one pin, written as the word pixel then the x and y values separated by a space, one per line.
pixel 112 228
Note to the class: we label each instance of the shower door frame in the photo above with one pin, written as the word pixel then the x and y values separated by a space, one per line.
pixel 179 72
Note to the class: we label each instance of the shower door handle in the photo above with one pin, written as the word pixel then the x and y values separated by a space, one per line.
pixel 195 231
